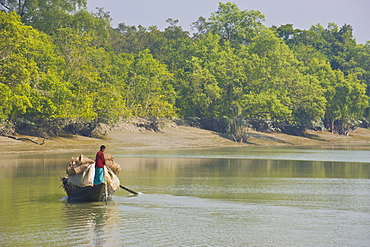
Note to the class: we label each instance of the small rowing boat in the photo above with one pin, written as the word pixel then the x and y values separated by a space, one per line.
pixel 94 193
pixel 79 183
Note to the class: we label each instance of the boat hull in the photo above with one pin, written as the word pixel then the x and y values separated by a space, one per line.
pixel 95 193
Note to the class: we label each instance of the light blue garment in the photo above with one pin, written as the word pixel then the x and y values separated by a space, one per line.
pixel 99 176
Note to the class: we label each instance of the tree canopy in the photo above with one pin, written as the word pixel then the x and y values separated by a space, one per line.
pixel 58 61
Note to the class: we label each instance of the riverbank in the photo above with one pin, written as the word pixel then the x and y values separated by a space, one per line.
pixel 179 137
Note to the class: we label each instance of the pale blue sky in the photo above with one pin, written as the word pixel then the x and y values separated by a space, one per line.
pixel 301 13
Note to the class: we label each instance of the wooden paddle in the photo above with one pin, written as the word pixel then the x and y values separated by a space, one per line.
pixel 131 191
pixel 106 193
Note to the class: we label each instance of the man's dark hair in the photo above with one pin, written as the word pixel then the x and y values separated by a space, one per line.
pixel 102 147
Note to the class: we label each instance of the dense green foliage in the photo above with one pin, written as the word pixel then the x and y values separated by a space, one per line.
pixel 60 62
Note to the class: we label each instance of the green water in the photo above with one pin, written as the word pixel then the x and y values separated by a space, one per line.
pixel 214 197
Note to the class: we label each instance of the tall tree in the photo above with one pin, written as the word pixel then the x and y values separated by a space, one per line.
pixel 274 70
pixel 235 25
pixel 74 47
pixel 30 10
pixel 347 104
pixel 149 87
pixel 29 75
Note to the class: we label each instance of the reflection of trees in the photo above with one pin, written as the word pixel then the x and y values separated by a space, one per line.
pixel 195 167
pixel 191 176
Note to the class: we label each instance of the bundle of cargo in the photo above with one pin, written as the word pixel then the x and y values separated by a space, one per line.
pixel 109 161
pixel 78 165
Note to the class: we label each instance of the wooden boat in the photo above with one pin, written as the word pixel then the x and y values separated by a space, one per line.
pixel 88 193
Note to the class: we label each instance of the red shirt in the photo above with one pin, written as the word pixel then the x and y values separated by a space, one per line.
pixel 99 159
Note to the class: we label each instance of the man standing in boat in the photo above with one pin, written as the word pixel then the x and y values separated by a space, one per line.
pixel 99 166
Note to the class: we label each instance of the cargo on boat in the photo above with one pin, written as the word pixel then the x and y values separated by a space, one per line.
pixel 79 182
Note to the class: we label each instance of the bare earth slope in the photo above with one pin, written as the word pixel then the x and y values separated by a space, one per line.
pixel 180 137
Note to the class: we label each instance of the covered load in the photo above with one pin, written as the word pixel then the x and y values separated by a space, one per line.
pixel 80 164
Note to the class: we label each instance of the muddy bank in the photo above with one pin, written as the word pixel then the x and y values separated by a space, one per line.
pixel 172 136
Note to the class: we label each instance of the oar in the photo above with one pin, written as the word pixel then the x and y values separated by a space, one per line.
pixel 131 191
pixel 106 193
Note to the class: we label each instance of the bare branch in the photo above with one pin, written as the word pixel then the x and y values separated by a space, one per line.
pixel 4 5
pixel 21 9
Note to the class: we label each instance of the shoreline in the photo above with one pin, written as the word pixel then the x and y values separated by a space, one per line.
pixel 181 137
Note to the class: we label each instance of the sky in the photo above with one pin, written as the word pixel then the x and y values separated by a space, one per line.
pixel 301 13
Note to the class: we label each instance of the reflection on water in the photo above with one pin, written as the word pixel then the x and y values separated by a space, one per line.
pixel 192 201
pixel 335 155
pixel 92 224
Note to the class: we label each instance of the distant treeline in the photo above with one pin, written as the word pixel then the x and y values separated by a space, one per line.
pixel 60 62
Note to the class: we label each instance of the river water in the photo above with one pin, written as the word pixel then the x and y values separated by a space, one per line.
pixel 209 197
